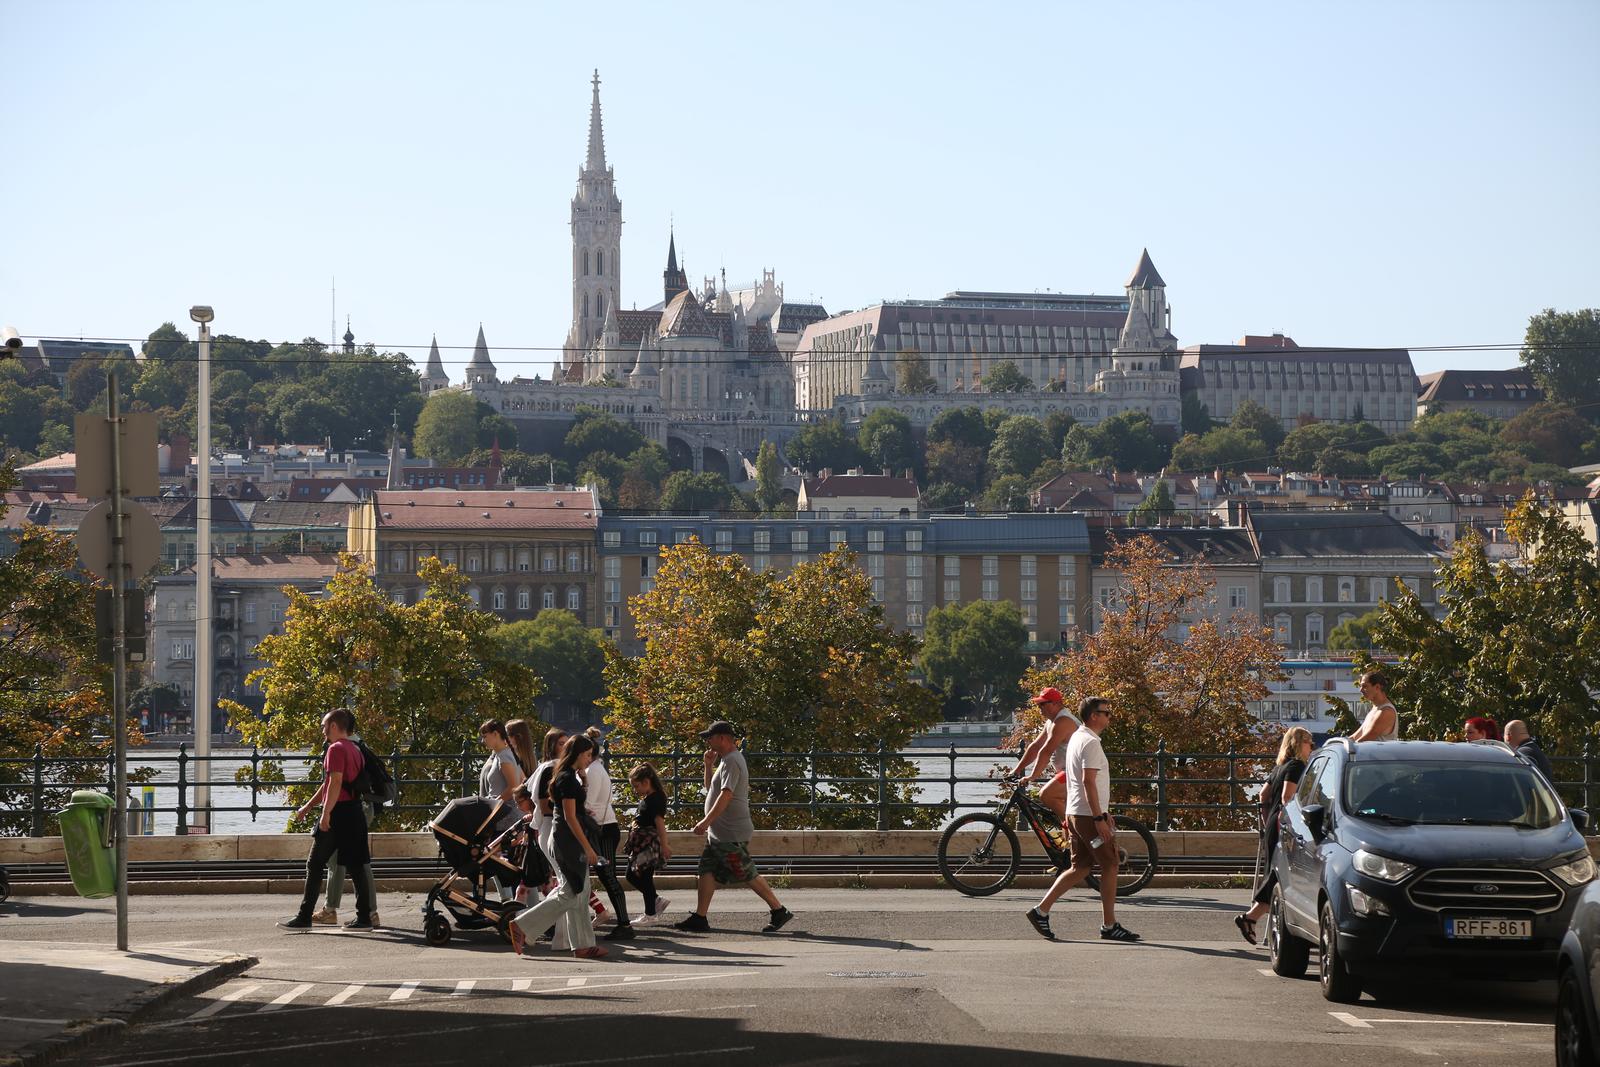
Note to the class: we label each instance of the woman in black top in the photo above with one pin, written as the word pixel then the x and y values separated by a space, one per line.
pixel 647 843
pixel 1293 752
pixel 572 849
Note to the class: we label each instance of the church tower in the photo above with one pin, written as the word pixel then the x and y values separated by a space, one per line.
pixel 596 242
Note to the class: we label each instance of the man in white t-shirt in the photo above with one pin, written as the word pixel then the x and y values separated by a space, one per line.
pixel 1089 824
pixel 1047 750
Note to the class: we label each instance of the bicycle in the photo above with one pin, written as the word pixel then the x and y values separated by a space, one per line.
pixel 986 865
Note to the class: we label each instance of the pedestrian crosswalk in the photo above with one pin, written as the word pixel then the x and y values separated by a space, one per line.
pixel 254 994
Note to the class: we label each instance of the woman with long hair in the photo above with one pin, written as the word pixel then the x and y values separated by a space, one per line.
pixel 603 810
pixel 1293 751
pixel 574 855
pixel 647 849
pixel 520 735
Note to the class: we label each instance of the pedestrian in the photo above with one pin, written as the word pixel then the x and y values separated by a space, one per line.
pixel 727 827
pixel 1383 721
pixel 1089 824
pixel 1293 752
pixel 647 848
pixel 341 825
pixel 1047 749
pixel 599 801
pixel 520 736
pixel 499 775
pixel 535 867
pixel 328 915
pixel 1481 728
pixel 574 854
pixel 543 825
pixel 1528 747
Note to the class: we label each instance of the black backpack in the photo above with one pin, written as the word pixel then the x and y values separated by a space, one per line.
pixel 374 784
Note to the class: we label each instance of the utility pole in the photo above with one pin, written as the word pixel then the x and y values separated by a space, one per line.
pixel 119 655
pixel 203 697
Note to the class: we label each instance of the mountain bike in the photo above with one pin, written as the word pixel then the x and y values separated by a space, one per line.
pixel 979 854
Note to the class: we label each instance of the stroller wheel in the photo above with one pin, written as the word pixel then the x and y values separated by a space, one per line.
pixel 436 930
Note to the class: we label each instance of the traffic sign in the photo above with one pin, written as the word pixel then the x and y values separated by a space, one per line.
pixel 141 541
pixel 92 439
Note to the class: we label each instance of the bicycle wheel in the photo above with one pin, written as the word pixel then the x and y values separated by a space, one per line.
pixel 978 854
pixel 1136 863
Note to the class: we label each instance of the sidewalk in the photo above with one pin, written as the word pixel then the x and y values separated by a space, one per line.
pixel 58 997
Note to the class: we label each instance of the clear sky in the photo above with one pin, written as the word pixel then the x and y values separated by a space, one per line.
pixel 1350 173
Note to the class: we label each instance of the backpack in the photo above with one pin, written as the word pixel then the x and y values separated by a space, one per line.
pixel 374 784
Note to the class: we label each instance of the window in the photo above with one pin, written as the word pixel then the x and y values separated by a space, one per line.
pixel 1069 614
pixel 1413 584
pixel 574 560
pixel 1282 629
pixel 952 566
pixel 952 590
pixel 1313 590
pixel 991 566
pixel 612 567
pixel 188 608
pixel 448 555
pixel 183 649
pixel 877 590
pixel 1067 566
pixel 763 540
pixel 647 538
pixel 874 540
pixel 1313 630
pixel 914 590
pixel 250 611
pixel 646 584
pixel 524 599
pixel 475 595
pixel 497 561
pixel 799 541
pixel 611 615
pixel 913 566
pixel 761 564
pixel 874 566
pixel 574 599
pixel 1030 565
pixel 1238 596
pixel 1281 593
pixel 913 540
pixel 548 600
pixel 525 559
pixel 1375 590
pixel 611 538
pixel 613 591
pixel 991 589
pixel 914 616
pixel 547 560
pixel 497 599
pixel 1030 615
pixel 1347 590
pixel 724 540
pixel 1066 589
pixel 474 562
pixel 397 562
pixel 275 613
pixel 1030 589
pixel 837 538
pixel 681 537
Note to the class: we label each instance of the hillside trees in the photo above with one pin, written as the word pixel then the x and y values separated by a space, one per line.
pixel 974 653
pixel 1562 349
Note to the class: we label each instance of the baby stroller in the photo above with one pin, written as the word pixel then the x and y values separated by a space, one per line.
pixel 478 859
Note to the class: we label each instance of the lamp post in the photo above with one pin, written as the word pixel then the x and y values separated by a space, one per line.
pixel 201 819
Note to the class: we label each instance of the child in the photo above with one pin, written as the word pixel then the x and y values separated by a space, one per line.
pixel 647 849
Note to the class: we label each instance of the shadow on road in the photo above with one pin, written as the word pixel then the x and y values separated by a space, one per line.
pixel 26 909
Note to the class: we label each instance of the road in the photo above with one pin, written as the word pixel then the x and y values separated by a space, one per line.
pixel 905 977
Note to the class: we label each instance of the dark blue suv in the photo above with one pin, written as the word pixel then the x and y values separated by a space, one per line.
pixel 1423 855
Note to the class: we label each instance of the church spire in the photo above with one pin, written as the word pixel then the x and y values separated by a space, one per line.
pixel 597 137
pixel 674 279
pixel 397 468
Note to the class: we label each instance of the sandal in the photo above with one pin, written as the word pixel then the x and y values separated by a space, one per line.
pixel 1247 927
pixel 593 952
pixel 519 940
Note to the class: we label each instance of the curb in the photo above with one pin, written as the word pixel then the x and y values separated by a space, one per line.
pixel 80 1035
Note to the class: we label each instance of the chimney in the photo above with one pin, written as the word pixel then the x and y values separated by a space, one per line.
pixel 179 462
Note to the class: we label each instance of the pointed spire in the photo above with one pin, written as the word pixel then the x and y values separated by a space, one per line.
pixel 397 468
pixel 1144 275
pixel 435 371
pixel 674 279
pixel 597 138
pixel 481 368
pixel 672 251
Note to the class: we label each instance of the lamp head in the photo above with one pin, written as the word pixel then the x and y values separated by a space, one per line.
pixel 10 339
pixel 201 313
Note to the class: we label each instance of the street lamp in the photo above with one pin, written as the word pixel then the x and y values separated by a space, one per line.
pixel 201 819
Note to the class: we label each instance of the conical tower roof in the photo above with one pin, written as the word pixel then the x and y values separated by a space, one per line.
pixel 1145 275
pixel 435 370
pixel 480 352
pixel 596 160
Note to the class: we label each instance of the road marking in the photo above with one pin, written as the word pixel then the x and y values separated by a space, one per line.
pixel 285 998
pixel 684 1011
pixel 345 994
pixel 657 1056
pixel 222 1002
pixel 574 983
pixel 464 987
pixel 405 991
pixel 1350 1020
pixel 39 1022
pixel 1265 970
pixel 633 978
pixel 1366 1024
pixel 519 984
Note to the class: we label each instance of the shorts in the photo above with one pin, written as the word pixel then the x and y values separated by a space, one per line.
pixel 1081 830
pixel 728 862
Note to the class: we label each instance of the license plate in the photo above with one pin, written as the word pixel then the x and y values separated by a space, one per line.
pixel 1488 928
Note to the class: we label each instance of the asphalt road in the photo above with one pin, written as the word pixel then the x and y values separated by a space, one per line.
pixel 906 977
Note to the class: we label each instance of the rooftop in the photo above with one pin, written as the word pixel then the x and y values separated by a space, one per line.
pixel 506 509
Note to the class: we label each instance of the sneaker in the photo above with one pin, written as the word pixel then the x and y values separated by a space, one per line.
pixel 661 908
pixel 299 922
pixel 780 919
pixel 326 917
pixel 693 923
pixel 593 952
pixel 376 921
pixel 1041 923
pixel 623 932
pixel 1117 932
pixel 358 923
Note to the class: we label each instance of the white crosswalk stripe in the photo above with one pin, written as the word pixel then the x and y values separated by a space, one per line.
pixel 286 998
pixel 345 994
pixel 223 1001
pixel 405 990
pixel 464 987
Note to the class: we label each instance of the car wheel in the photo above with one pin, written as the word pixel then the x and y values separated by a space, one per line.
pixel 1289 954
pixel 1575 1045
pixel 1338 984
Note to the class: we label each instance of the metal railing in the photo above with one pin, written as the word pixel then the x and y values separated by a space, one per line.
pixel 1166 788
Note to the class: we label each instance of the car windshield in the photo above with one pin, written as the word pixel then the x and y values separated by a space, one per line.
pixel 1401 792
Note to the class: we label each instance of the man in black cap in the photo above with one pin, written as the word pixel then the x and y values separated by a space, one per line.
pixel 728 827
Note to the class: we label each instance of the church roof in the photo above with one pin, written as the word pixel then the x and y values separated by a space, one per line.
pixel 794 318
pixel 683 317
pixel 1145 275
pixel 435 371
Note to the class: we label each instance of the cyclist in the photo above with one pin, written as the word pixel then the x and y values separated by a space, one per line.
pixel 1047 750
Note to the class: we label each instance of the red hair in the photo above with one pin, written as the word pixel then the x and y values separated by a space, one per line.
pixel 1485 726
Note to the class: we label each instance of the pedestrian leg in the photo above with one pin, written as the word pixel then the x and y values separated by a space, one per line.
pixel 610 837
pixel 323 847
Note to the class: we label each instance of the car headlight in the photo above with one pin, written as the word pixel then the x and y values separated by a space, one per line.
pixel 1577 872
pixel 1365 904
pixel 1382 867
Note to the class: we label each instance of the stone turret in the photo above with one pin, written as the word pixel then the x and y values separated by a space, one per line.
pixel 434 376
pixel 481 369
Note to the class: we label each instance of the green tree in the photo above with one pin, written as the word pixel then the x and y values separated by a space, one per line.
pixel 447 428
pixel 885 439
pixel 167 343
pixel 956 464
pixel 598 431
pixel 963 426
pixel 1057 425
pixel 1354 634
pixel 1304 444
pixel 825 445
pixel 642 477
pixel 1157 505
pixel 1008 494
pixel 1252 417
pixel 569 659
pixel 1194 417
pixel 1409 460
pixel 801 661
pixel 1005 377
pixel 687 493
pixel 769 476
pixel 419 677
pixel 1562 349
pixel 1126 441
pixel 911 373
pixel 1227 447
pixel 1020 445
pixel 1551 433
pixel 976 653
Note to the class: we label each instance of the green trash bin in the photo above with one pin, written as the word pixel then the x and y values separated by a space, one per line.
pixel 86 829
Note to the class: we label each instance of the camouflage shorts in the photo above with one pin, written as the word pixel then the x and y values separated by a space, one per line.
pixel 728 862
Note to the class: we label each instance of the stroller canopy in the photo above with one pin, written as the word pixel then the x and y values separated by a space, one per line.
pixel 461 825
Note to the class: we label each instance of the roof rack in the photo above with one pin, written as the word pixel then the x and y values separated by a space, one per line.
pixel 1349 745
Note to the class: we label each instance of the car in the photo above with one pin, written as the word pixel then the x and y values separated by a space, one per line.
pixel 1578 985
pixel 1403 857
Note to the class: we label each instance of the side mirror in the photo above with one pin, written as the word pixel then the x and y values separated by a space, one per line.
pixel 1316 816
pixel 1580 818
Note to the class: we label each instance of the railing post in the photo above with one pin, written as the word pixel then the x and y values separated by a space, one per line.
pixel 38 790
pixel 952 777
pixel 677 778
pixel 466 769
pixel 1233 778
pixel 183 790
pixel 811 762
pixel 1161 784
pixel 255 781
pixel 883 787
pixel 1588 771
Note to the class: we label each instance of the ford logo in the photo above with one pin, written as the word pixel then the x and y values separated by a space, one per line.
pixel 1486 887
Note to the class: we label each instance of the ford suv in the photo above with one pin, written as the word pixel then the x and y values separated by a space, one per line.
pixel 1423 855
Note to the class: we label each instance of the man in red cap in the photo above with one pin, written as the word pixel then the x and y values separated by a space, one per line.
pixel 1044 751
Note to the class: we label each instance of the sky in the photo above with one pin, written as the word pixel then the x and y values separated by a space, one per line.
pixel 1353 173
